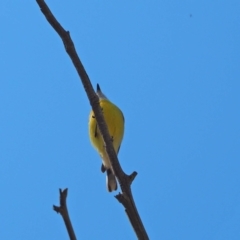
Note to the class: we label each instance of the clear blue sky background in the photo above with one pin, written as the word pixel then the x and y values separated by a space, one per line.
pixel 173 67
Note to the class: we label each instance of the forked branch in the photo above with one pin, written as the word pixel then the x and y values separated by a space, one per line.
pixel 62 209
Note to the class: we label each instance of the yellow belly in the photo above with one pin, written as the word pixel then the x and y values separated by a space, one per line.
pixel 115 122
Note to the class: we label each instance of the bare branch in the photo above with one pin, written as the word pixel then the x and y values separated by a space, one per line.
pixel 62 209
pixel 124 180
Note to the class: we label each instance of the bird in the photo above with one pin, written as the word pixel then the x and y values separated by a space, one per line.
pixel 115 123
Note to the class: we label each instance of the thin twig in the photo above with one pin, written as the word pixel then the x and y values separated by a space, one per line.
pixel 62 209
pixel 124 180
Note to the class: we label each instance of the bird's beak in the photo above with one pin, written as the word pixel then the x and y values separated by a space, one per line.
pixel 98 88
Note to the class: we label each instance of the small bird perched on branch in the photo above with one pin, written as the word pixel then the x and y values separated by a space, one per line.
pixel 115 122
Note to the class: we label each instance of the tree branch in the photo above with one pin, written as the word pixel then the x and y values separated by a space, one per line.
pixel 62 209
pixel 125 181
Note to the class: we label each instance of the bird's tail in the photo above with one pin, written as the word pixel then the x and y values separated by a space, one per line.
pixel 111 181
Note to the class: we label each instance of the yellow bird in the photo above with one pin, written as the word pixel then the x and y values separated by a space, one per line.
pixel 115 122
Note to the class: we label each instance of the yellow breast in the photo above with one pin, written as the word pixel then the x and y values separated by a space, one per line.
pixel 115 123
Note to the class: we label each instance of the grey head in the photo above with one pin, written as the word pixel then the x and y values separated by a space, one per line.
pixel 99 93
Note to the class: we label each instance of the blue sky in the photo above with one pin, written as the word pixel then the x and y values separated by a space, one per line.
pixel 173 69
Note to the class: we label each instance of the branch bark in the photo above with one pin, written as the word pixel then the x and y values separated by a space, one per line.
pixel 62 209
pixel 125 181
